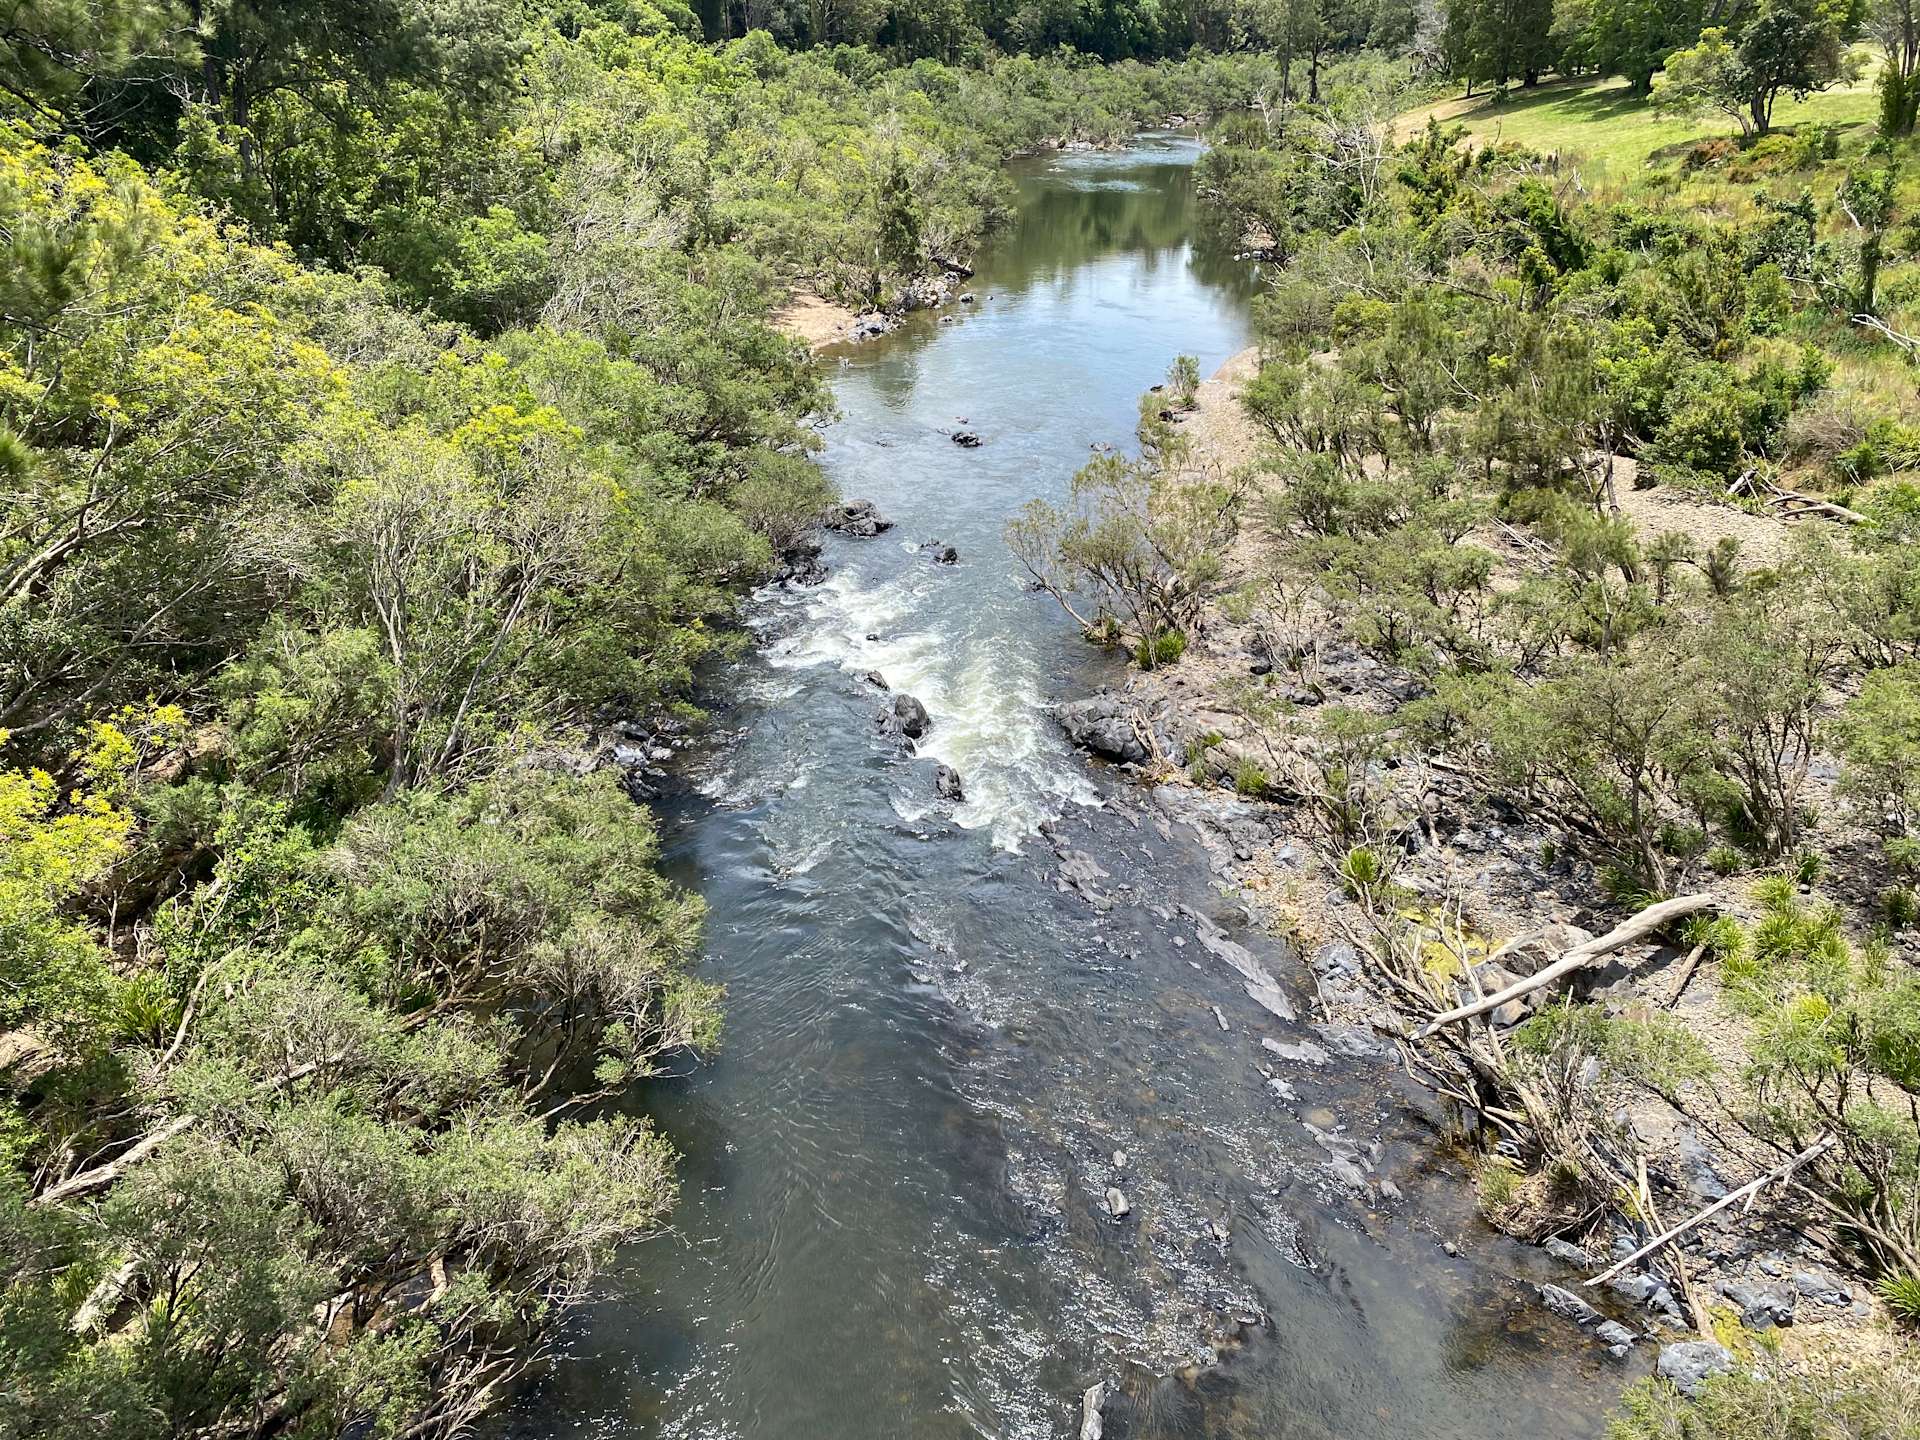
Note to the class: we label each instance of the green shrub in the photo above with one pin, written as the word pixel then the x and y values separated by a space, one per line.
pixel 1682 841
pixel 1250 777
pixel 1163 649
pixel 1825 1398
pixel 1776 893
pixel 1900 906
pixel 1720 935
pixel 1198 748
pixel 1624 885
pixel 1902 1294
pixel 1726 860
pixel 1498 1183
pixel 1903 856
pixel 1362 872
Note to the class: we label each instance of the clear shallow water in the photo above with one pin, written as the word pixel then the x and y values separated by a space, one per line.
pixel 892 1221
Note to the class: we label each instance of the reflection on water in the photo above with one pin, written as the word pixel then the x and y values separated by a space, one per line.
pixel 893 1219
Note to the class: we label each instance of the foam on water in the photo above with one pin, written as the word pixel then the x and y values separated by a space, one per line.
pixel 990 721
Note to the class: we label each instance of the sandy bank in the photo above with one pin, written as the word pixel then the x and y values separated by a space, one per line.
pixel 816 322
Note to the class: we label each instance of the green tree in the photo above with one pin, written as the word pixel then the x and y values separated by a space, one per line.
pixel 1793 47
pixel 896 221
pixel 145 405
pixel 54 48
pixel 1895 25
pixel 1879 733
pixel 1131 560
pixel 1634 37
pixel 1500 41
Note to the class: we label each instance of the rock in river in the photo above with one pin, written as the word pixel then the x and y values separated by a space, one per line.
pixel 1117 1205
pixel 1303 1052
pixel 1569 1305
pixel 967 439
pixel 910 717
pixel 946 784
pixel 1105 724
pixel 861 518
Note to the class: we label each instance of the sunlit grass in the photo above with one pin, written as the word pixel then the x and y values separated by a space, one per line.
pixel 1605 127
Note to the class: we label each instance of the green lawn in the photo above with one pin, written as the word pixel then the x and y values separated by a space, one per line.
pixel 1599 122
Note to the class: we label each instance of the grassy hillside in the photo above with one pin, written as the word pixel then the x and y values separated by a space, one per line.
pixel 1601 123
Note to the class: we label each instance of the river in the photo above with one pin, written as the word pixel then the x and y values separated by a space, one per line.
pixel 893 1222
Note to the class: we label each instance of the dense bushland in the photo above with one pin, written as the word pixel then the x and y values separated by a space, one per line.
pixel 388 404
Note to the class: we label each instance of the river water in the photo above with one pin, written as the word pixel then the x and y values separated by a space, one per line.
pixel 893 1221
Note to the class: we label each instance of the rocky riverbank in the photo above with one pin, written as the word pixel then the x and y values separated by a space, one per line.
pixel 1218 736
pixel 821 323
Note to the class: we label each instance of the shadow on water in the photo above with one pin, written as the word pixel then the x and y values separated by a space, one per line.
pixel 893 1219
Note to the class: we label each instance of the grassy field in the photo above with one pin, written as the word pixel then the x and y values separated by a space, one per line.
pixel 1598 122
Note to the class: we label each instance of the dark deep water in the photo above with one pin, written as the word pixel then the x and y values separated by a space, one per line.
pixel 892 1222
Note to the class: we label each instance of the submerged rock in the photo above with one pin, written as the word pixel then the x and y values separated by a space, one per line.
pixel 1570 1253
pixel 1304 1052
pixel 1569 1306
pixel 1616 1337
pixel 1258 982
pixel 941 554
pixel 1079 871
pixel 966 439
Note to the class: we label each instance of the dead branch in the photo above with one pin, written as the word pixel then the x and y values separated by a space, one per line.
pixel 1748 1192
pixel 1653 918
pixel 101 1176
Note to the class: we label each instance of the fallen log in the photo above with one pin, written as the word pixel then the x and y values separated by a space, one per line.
pixel 101 1176
pixel 1748 1192
pixel 1653 918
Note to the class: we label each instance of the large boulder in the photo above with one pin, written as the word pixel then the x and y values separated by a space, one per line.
pixel 1761 1306
pixel 801 563
pixel 946 784
pixel 860 518
pixel 1691 1363
pixel 1107 725
pixel 911 717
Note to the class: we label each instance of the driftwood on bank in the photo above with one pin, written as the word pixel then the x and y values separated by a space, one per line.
pixel 1649 920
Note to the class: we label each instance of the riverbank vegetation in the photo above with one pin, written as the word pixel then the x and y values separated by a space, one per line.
pixel 390 422
pixel 389 416
pixel 1584 517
